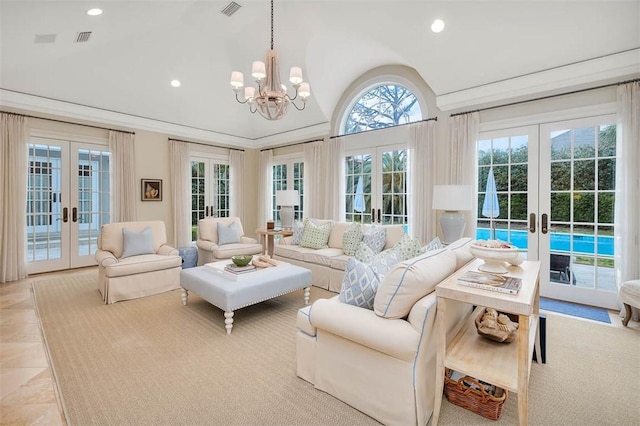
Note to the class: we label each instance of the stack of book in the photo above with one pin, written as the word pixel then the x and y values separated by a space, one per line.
pixel 492 282
pixel 238 270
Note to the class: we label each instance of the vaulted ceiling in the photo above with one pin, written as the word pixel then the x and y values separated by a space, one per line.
pixel 489 51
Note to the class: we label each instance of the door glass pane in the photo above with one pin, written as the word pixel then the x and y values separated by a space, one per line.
pixel 358 188
pixel 44 208
pixel 582 203
pixel 197 195
pixel 93 198
pixel 506 158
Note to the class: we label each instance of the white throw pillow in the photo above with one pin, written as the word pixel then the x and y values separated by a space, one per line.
pixel 410 281
pixel 351 239
pixel 135 243
pixel 228 234
pixel 316 236
pixel 408 247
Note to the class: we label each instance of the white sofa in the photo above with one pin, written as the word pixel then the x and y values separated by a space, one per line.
pixel 327 265
pixel 383 361
pixel 130 277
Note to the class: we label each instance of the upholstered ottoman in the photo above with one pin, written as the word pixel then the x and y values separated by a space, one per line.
pixel 229 293
pixel 630 297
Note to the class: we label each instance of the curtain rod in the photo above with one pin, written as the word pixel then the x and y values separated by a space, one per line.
pixel 68 122
pixel 382 128
pixel 546 97
pixel 292 144
pixel 205 144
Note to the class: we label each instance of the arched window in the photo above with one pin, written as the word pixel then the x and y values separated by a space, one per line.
pixel 383 106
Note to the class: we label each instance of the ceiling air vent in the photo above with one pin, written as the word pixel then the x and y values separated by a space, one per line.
pixel 45 38
pixel 230 9
pixel 82 36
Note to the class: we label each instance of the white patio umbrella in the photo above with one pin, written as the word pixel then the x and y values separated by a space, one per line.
pixel 490 206
pixel 358 203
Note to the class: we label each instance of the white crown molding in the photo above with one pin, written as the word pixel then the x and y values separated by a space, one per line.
pixel 67 110
pixel 592 71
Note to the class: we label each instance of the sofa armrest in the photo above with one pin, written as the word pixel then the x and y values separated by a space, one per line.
pixel 247 240
pixel 394 337
pixel 166 250
pixel 105 258
pixel 206 245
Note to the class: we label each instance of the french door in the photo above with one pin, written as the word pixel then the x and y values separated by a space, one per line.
pixel 376 185
pixel 210 189
pixel 287 173
pixel 555 185
pixel 68 193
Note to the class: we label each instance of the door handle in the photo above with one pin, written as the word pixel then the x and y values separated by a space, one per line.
pixel 545 226
pixel 206 211
pixel 373 215
pixel 65 215
pixel 532 223
pixel 379 215
pixel 74 214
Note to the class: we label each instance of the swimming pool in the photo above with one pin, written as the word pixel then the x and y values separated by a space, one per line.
pixel 559 242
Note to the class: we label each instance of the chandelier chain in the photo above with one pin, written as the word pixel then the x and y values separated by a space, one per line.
pixel 271 24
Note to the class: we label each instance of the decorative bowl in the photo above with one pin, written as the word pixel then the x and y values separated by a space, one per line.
pixel 241 260
pixel 495 257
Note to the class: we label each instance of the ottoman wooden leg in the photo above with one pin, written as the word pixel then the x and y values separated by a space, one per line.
pixel 627 315
pixel 307 292
pixel 228 321
pixel 185 296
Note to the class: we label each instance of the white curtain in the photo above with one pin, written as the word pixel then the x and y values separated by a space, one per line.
pixel 627 205
pixel 180 180
pixel 334 203
pixel 313 180
pixel 236 161
pixel 265 179
pixel 13 193
pixel 463 167
pixel 422 177
pixel 124 191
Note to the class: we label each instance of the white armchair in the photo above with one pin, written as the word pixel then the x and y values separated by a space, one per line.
pixel 214 246
pixel 135 261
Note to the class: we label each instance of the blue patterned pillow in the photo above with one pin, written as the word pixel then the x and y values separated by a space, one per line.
pixel 382 263
pixel 375 238
pixel 364 253
pixel 434 244
pixel 298 229
pixel 359 284
pixel 351 239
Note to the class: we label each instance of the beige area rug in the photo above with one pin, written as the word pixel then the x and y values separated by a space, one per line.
pixel 154 361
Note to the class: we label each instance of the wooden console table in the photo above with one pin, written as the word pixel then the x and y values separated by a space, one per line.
pixel 506 365
pixel 267 238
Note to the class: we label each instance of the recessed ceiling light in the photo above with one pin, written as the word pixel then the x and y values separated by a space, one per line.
pixel 437 26
pixel 94 12
pixel 175 83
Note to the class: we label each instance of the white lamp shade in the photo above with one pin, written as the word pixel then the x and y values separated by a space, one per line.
pixel 287 198
pixel 295 76
pixel 304 91
pixel 237 79
pixel 249 92
pixel 258 70
pixel 452 197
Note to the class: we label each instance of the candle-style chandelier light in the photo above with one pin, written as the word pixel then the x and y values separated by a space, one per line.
pixel 270 98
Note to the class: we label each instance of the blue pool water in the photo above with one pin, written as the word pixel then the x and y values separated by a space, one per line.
pixel 559 242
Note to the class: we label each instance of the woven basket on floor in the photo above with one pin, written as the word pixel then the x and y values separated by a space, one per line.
pixel 475 399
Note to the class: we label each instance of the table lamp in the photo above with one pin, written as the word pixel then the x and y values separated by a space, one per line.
pixel 286 200
pixel 453 199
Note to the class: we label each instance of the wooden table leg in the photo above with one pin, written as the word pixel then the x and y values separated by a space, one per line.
pixel 270 245
pixel 440 351
pixel 263 241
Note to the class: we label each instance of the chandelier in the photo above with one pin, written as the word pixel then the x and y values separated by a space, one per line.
pixel 270 98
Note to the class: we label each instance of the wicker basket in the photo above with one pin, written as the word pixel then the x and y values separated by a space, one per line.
pixel 468 393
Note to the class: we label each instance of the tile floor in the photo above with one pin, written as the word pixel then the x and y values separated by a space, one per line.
pixel 27 393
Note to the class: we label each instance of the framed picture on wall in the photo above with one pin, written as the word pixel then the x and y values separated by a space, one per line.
pixel 151 189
